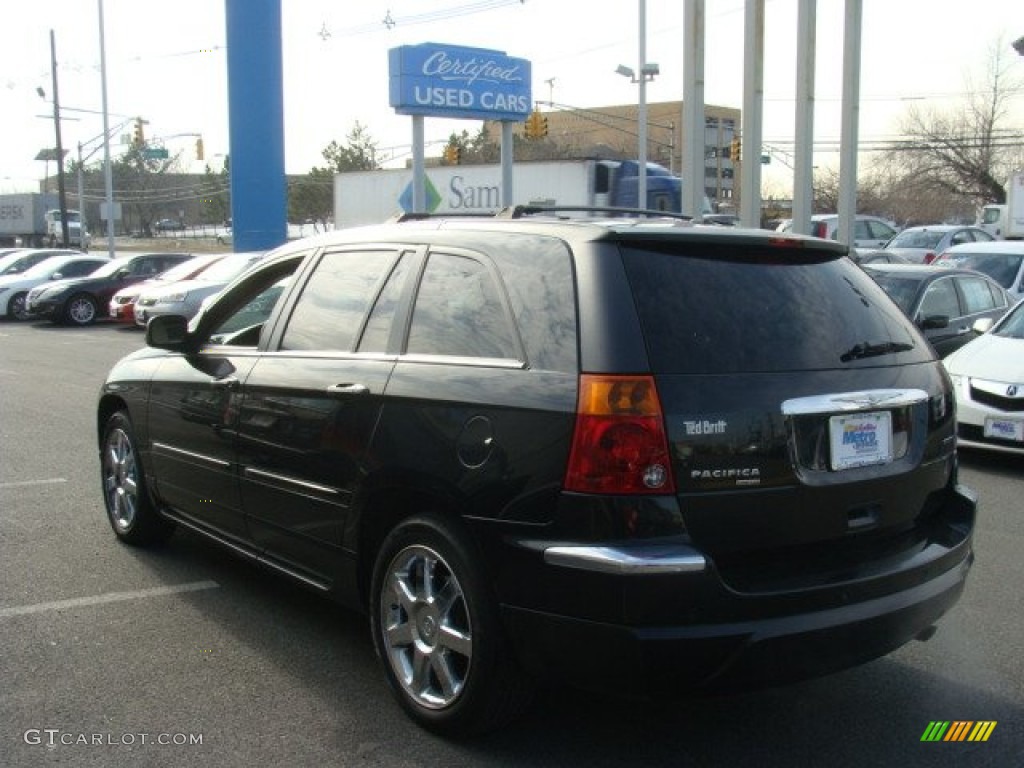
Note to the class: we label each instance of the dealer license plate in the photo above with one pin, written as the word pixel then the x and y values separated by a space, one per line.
pixel 1005 429
pixel 860 439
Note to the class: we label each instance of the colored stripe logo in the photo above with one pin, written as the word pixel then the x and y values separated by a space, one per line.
pixel 959 730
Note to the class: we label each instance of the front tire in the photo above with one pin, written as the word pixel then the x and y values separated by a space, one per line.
pixel 80 310
pixel 130 510
pixel 437 633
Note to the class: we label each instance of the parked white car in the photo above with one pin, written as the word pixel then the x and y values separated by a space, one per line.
pixel 988 383
pixel 14 288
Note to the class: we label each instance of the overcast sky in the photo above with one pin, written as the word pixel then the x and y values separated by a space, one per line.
pixel 166 62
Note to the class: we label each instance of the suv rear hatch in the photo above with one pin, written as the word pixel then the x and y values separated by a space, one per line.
pixel 808 421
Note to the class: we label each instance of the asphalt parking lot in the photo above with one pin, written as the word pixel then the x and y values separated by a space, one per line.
pixel 184 656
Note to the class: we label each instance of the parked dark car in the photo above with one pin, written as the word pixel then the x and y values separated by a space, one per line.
pixel 584 452
pixel 79 301
pixel 943 303
pixel 169 225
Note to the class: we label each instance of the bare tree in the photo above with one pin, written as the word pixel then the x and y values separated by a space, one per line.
pixel 968 153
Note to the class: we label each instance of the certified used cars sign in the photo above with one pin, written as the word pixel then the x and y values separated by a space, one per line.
pixel 449 81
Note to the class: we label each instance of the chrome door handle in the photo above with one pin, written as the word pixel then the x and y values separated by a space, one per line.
pixel 348 389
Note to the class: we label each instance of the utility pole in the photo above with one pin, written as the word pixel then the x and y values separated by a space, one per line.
pixel 60 149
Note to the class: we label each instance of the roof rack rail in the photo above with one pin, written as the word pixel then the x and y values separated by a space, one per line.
pixel 398 218
pixel 519 211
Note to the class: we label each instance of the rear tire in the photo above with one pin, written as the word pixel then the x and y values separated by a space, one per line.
pixel 16 309
pixel 130 510
pixel 437 632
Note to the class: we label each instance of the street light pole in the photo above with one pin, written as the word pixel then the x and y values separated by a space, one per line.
pixel 641 190
pixel 646 72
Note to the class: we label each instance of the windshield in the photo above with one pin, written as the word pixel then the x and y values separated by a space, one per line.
pixel 107 270
pixel 1013 324
pixel 183 270
pixel 229 267
pixel 922 238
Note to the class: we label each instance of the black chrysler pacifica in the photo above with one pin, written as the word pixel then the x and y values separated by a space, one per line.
pixel 629 454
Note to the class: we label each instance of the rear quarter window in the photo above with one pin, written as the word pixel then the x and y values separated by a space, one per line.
pixel 750 308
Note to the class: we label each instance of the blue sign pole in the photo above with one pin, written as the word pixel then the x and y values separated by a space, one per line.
pixel 259 203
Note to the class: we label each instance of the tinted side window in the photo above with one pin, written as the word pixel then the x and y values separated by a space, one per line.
pixel 537 272
pixel 748 308
pixel 977 296
pixel 330 310
pixel 378 326
pixel 460 311
pixel 940 299
pixel 79 268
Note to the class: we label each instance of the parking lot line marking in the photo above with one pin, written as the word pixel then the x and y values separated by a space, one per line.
pixel 108 597
pixel 22 483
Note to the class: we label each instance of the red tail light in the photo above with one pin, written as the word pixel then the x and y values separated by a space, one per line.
pixel 619 445
pixel 929 257
pixel 820 229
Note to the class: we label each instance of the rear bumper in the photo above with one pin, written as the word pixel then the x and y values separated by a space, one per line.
pixel 661 632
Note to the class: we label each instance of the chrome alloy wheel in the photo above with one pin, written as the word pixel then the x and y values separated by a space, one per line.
pixel 426 627
pixel 120 481
pixel 82 310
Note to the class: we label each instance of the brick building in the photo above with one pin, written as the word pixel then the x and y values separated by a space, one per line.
pixel 612 132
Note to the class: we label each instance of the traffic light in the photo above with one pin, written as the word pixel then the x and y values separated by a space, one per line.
pixel 139 138
pixel 536 125
pixel 452 154
pixel 200 155
pixel 734 149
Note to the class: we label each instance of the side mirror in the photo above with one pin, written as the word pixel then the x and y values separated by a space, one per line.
pixel 168 332
pixel 982 325
pixel 934 321
pixel 123 273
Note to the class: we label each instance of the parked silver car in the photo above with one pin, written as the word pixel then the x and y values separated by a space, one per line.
pixel 923 244
pixel 868 231
pixel 185 297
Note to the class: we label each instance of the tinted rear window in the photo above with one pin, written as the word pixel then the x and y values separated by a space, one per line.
pixel 755 309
